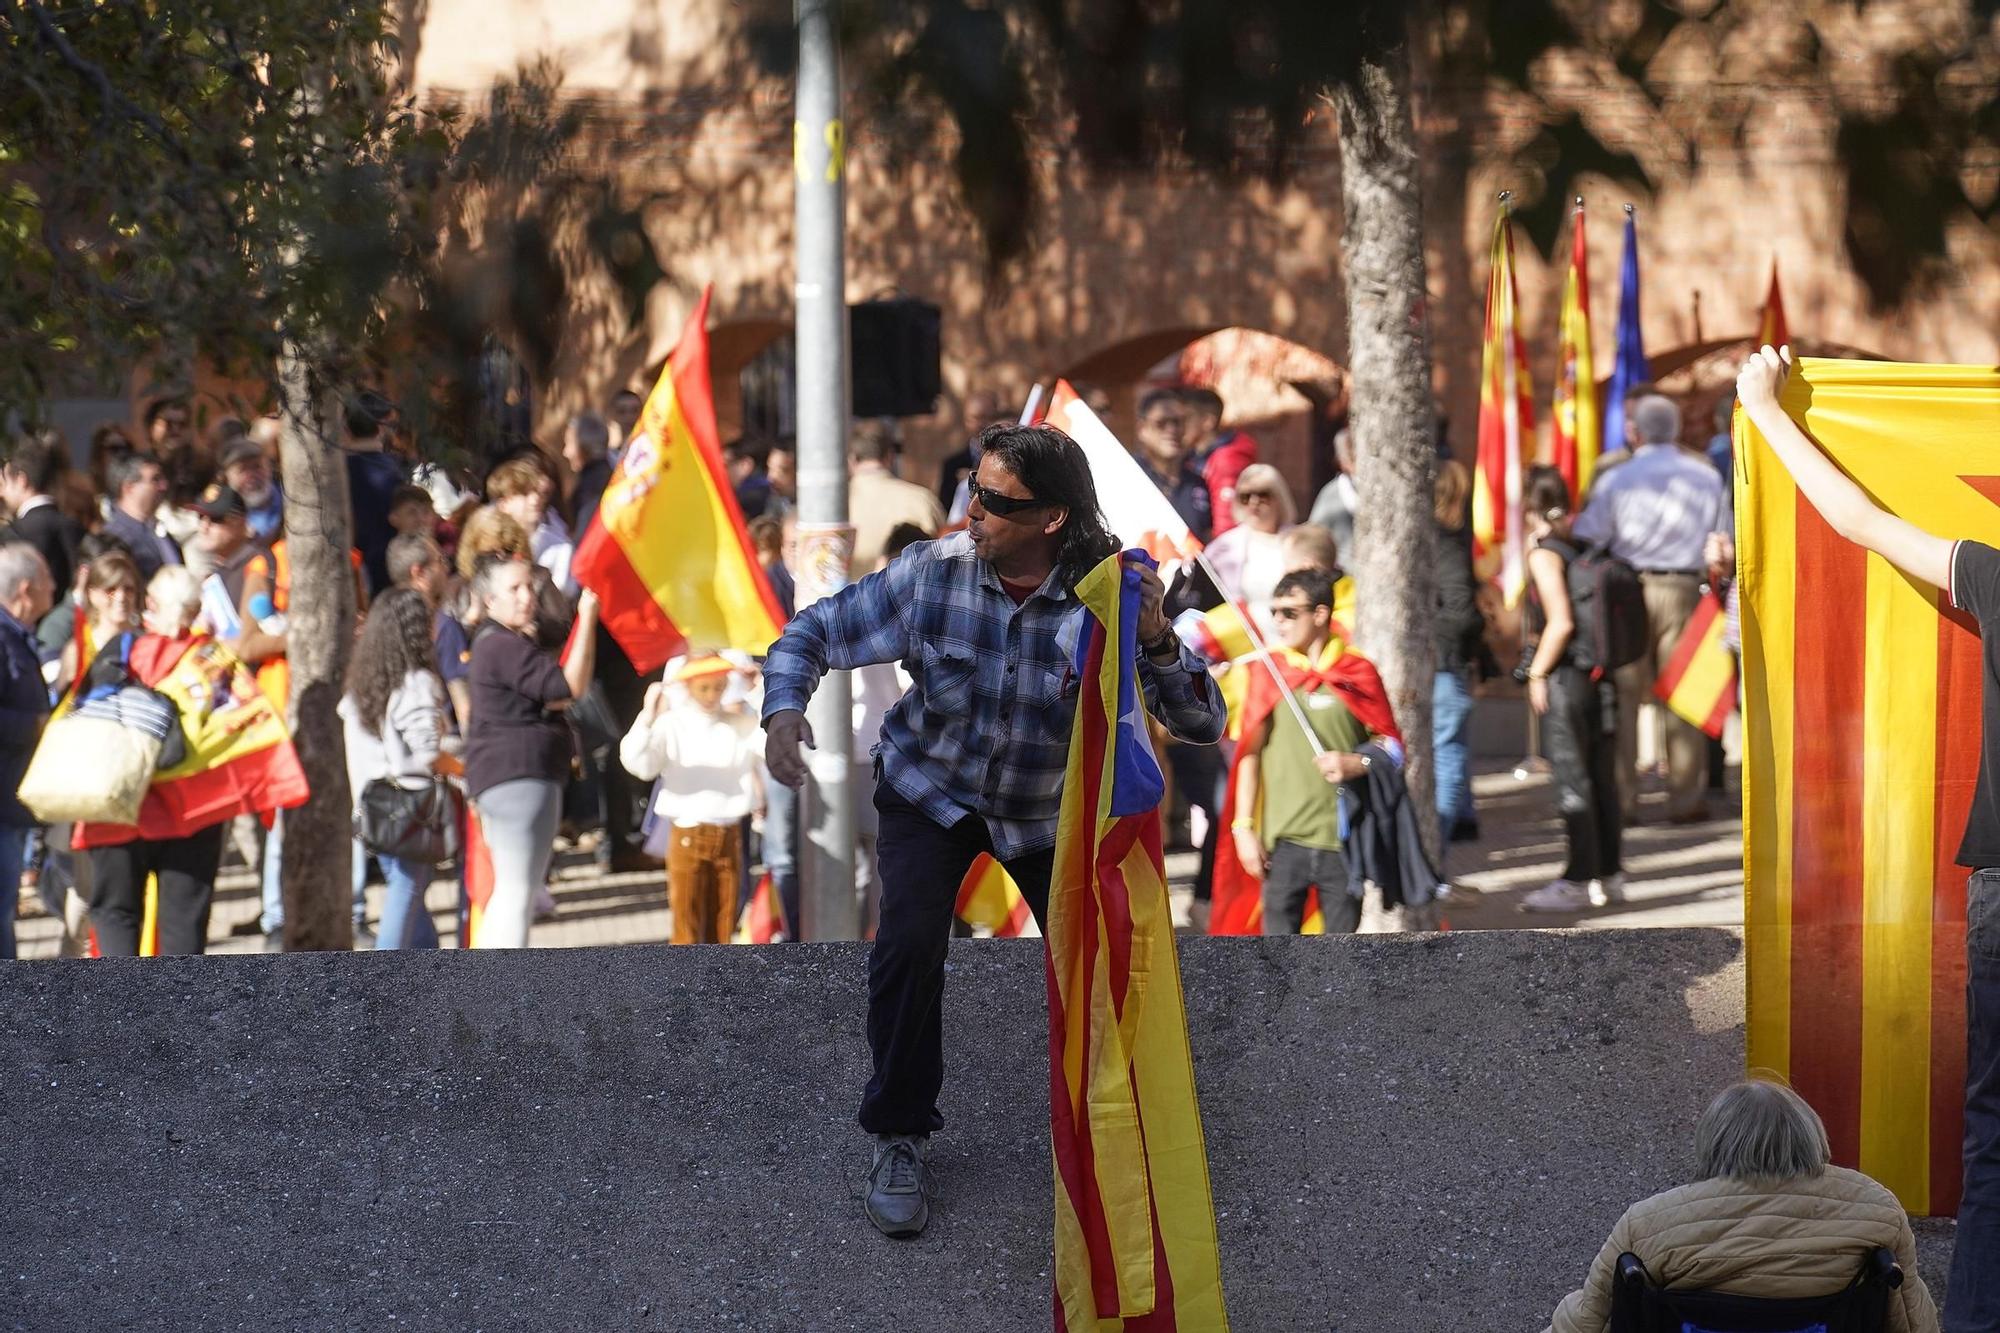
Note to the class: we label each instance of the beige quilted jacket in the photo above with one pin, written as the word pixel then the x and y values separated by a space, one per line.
pixel 1778 1239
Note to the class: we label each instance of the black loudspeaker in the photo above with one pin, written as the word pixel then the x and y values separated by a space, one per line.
pixel 892 349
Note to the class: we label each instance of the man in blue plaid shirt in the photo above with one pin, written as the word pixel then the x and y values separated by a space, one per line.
pixel 972 759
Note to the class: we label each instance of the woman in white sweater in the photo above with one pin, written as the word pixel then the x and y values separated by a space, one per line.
pixel 394 717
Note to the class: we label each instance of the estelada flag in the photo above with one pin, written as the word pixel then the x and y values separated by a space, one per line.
pixel 1573 421
pixel 666 552
pixel 1237 903
pixel 1506 418
pixel 1771 328
pixel 1135 511
pixel 988 897
pixel 1699 681
pixel 1135 1245
pixel 1861 730
pixel 239 757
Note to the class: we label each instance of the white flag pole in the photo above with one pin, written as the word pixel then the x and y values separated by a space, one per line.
pixel 1263 654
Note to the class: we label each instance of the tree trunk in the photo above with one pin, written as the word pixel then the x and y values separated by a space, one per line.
pixel 319 637
pixel 1392 418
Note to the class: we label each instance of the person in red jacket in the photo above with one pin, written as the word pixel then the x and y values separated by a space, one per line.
pixel 1221 454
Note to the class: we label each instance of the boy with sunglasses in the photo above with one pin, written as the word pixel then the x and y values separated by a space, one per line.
pixel 1285 823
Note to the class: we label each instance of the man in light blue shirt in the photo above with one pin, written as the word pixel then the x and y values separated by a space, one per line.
pixel 1656 513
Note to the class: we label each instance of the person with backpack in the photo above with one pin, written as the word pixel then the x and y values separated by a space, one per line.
pixel 1656 513
pixel 1576 696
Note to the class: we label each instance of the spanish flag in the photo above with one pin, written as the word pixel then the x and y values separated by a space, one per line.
pixel 1573 421
pixel 1135 1244
pixel 667 553
pixel 1699 681
pixel 1861 727
pixel 988 897
pixel 1506 418
pixel 477 879
pixel 239 756
pixel 763 920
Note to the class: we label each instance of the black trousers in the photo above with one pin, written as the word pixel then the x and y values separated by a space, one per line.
pixel 1293 869
pixel 1580 736
pixel 186 869
pixel 921 865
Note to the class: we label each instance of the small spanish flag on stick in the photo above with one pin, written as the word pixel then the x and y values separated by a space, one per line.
pixel 1699 680
pixel 987 897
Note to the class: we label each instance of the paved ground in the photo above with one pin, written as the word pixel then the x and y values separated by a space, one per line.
pixel 1687 876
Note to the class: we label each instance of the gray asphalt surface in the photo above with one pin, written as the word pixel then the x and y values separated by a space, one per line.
pixel 1406 1133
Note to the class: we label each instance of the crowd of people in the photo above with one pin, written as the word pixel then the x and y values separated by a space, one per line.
pixel 584 744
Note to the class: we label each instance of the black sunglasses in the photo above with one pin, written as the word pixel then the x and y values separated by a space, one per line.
pixel 995 503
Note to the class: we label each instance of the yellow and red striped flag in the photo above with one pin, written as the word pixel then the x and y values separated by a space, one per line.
pixel 988 897
pixel 1771 328
pixel 1573 420
pixel 1506 418
pixel 478 879
pixel 1135 1243
pixel 1699 681
pixel 763 916
pixel 667 553
pixel 1861 726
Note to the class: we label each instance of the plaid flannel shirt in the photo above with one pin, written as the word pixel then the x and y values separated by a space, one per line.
pixel 985 727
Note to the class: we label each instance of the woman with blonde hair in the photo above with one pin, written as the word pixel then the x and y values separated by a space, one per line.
pixel 1767 1217
pixel 1249 559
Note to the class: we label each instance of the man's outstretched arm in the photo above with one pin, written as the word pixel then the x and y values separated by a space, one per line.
pixel 860 625
pixel 1844 505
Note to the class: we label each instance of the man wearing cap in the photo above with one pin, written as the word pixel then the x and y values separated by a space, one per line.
pixel 221 551
pixel 710 765
pixel 246 469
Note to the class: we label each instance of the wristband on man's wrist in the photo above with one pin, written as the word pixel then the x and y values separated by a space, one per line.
pixel 1166 645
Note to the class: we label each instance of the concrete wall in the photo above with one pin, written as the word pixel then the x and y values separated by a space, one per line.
pixel 1404 1132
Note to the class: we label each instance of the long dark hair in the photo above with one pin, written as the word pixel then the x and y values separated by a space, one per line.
pixel 395 641
pixel 1054 469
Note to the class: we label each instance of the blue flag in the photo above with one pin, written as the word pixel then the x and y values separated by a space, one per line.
pixel 1630 368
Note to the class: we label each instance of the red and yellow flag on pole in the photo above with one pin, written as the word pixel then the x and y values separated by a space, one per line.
pixel 1861 726
pixel 1506 417
pixel 667 553
pixel 1699 681
pixel 1574 426
pixel 1135 1243
pixel 1771 329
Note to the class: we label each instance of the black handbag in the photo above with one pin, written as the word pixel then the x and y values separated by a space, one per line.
pixel 425 825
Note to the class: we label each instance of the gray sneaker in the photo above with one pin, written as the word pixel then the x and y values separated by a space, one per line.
pixel 899 1184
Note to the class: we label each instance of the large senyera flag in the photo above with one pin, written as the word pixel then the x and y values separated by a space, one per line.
pixel 667 553
pixel 1574 436
pixel 1506 418
pixel 1135 1243
pixel 1861 727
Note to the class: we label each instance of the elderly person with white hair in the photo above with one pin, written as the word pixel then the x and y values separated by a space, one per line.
pixel 26 592
pixel 1250 558
pixel 121 859
pixel 1768 1217
pixel 1656 513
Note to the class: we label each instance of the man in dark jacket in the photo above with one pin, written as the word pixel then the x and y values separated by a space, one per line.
pixel 27 483
pixel 26 593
